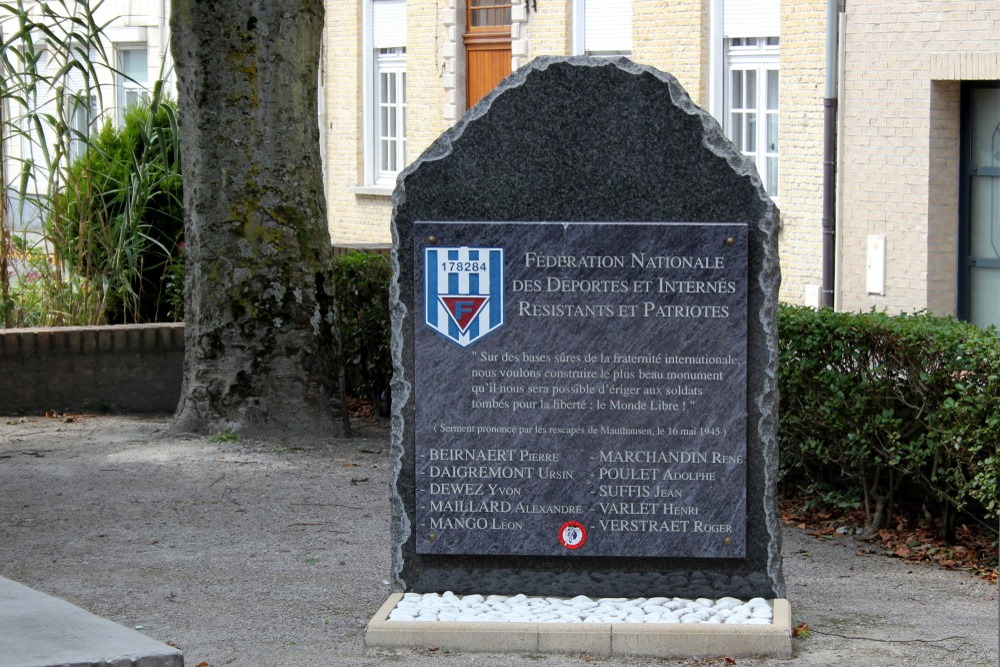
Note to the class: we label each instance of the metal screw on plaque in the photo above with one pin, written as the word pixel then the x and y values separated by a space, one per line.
pixel 728 541
pixel 432 537
pixel 432 240
pixel 730 241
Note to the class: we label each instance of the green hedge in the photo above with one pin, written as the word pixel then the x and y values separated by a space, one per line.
pixel 361 283
pixel 890 410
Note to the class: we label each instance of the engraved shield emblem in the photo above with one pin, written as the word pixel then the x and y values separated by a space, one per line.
pixel 463 292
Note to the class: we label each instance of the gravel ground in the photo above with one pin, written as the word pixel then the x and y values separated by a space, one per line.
pixel 277 553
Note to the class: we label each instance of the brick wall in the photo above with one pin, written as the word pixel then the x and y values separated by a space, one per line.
pixel 353 219
pixel 548 30
pixel 359 216
pixel 129 368
pixel 425 91
pixel 800 145
pixel 673 37
pixel 899 161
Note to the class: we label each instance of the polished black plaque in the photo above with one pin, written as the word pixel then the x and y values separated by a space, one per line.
pixel 580 389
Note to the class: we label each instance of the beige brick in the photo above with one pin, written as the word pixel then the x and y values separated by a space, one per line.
pixel 903 140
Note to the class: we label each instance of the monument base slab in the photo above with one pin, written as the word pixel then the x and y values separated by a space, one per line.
pixel 661 640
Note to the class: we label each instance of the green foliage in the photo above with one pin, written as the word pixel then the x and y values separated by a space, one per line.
pixel 361 283
pixel 891 409
pixel 91 218
pixel 49 45
pixel 119 218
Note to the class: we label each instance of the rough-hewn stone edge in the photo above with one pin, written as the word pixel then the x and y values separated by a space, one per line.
pixel 715 141
pixel 52 368
pixel 401 388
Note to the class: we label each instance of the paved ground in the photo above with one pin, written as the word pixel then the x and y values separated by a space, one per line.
pixel 276 553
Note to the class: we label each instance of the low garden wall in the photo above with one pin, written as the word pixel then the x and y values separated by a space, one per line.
pixel 125 368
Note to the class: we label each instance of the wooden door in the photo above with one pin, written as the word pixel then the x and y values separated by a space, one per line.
pixel 487 46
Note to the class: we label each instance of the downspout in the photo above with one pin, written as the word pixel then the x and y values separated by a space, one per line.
pixel 830 156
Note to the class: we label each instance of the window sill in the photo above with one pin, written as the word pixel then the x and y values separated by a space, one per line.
pixel 371 190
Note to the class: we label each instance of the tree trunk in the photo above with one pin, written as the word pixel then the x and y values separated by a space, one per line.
pixel 261 344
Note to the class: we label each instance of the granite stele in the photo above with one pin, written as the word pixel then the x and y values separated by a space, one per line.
pixel 584 336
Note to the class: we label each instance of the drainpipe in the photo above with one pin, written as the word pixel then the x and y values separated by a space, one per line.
pixel 830 156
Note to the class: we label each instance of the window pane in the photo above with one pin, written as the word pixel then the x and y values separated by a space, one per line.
pixel 986 127
pixel 737 129
pixel 751 89
pixel 984 286
pixel 772 41
pixel 984 223
pixel 737 80
pixel 772 176
pixel 751 133
pixel 772 133
pixel 134 64
pixel 772 89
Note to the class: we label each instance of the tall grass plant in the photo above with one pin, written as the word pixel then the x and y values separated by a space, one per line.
pixel 82 237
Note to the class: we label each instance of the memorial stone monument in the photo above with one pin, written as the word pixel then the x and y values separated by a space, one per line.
pixel 584 336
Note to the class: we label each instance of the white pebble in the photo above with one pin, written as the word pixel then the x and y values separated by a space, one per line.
pixel 580 609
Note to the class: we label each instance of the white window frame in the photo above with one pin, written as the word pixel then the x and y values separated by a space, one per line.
pixel 747 121
pixel 124 85
pixel 377 177
pixel 389 119
pixel 81 113
pixel 622 10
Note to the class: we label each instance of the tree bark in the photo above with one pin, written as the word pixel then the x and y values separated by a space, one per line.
pixel 260 327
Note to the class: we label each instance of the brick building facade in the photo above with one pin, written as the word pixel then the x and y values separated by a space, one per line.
pixel 904 73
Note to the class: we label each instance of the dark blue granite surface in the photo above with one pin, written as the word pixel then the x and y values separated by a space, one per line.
pixel 609 399
pixel 584 140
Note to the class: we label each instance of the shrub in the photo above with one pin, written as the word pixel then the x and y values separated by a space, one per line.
pixel 890 409
pixel 80 246
pixel 361 283
pixel 118 220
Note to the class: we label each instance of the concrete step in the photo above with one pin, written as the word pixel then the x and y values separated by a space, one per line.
pixel 38 630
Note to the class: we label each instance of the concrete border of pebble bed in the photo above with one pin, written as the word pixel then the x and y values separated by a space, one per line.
pixel 657 638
